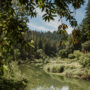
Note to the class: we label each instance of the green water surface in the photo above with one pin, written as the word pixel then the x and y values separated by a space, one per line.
pixel 39 80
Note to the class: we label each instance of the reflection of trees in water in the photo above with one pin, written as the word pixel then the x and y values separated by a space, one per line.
pixel 39 80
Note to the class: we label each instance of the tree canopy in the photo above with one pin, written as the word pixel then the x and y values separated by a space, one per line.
pixel 52 8
pixel 13 23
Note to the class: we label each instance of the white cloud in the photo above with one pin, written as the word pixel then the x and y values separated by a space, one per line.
pixel 42 28
pixel 53 23
pixel 39 12
pixel 37 27
pixel 46 25
pixel 69 30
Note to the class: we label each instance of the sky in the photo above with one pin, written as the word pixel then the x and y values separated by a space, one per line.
pixel 38 24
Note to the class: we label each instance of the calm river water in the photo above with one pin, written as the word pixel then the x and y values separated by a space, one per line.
pixel 39 80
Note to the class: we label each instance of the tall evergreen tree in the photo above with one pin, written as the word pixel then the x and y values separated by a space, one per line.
pixel 86 24
pixel 88 19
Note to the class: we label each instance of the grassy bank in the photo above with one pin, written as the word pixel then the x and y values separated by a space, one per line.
pixel 40 80
pixel 57 67
pixel 18 75
pixel 72 67
pixel 37 77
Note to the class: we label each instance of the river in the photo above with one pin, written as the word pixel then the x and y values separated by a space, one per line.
pixel 39 80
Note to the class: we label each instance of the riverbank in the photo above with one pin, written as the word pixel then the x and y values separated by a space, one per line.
pixel 29 73
pixel 37 78
pixel 70 68
pixel 40 80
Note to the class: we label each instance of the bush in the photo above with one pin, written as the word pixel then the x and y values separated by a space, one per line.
pixel 64 53
pixel 85 60
pixel 12 71
pixel 87 55
pixel 12 85
pixel 1 67
pixel 71 56
pixel 40 54
pixel 86 46
pixel 12 78
pixel 55 69
pixel 77 54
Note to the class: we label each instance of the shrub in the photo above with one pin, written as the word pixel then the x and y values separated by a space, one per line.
pixel 1 67
pixel 85 60
pixel 86 46
pixel 40 54
pixel 12 85
pixel 64 53
pixel 77 54
pixel 55 69
pixel 71 56
pixel 13 72
pixel 87 55
pixel 12 78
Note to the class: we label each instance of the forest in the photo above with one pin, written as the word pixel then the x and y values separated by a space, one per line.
pixel 26 53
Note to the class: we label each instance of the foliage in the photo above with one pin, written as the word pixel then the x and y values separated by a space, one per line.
pixel 77 54
pixel 55 68
pixel 12 77
pixel 81 34
pixel 86 46
pixel 40 54
pixel 1 67
pixel 71 68
pixel 49 42
pixel 12 85
pixel 85 60
pixel 51 8
pixel 13 15
pixel 85 26
pixel 12 29
pixel 76 34
pixel 12 71
pixel 71 56
pixel 82 58
pixel 64 53
pixel 18 43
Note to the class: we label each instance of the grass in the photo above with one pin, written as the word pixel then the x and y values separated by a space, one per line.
pixel 67 67
pixel 37 77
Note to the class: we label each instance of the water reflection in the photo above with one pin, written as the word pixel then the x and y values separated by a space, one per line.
pixel 65 88
pixel 51 88
pixel 39 80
